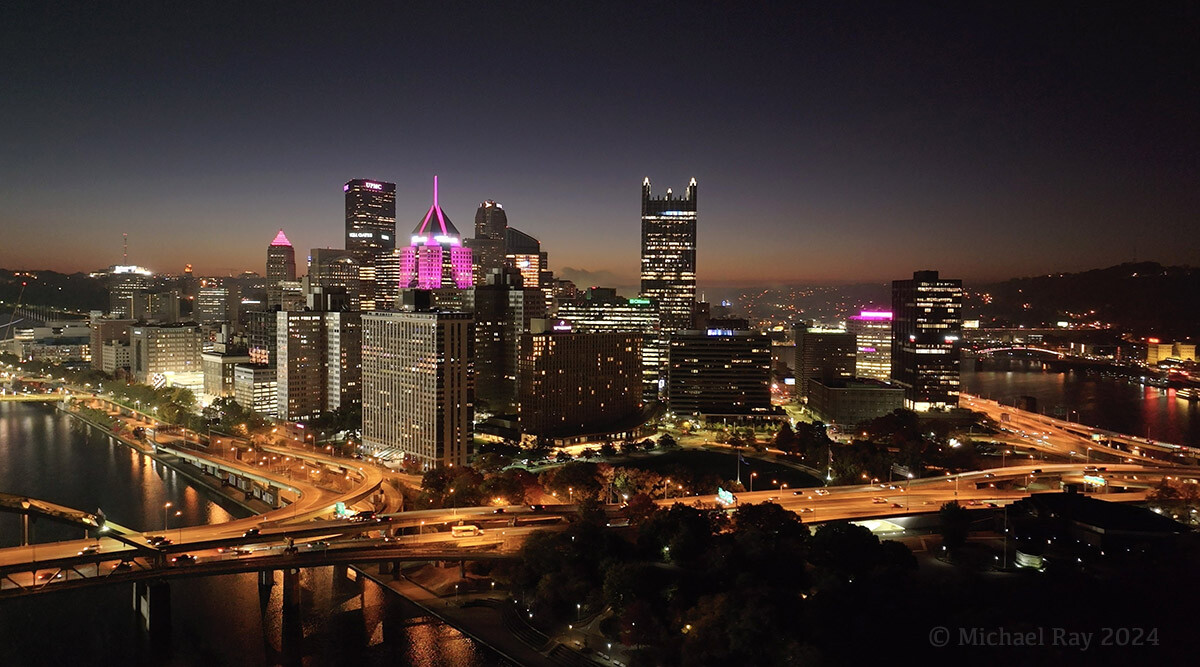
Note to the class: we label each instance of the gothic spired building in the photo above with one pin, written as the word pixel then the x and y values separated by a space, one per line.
pixel 436 258
pixel 669 255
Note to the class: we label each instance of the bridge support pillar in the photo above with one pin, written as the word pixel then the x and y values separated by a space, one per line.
pixel 395 570
pixel 291 630
pixel 341 573
pixel 291 588
pixel 152 602
pixel 266 578
pixel 26 530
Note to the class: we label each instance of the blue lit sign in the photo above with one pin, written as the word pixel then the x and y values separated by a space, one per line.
pixel 720 332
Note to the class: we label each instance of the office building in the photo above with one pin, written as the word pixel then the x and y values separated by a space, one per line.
pixel 332 269
pixel 219 300
pixel 720 374
pixel 219 367
pixel 669 255
pixel 602 311
pixel 370 228
pixel 488 246
pixel 343 359
pixel 575 384
pixel 254 388
pixel 853 402
pixel 503 309
pixel 926 333
pixel 166 351
pixel 417 398
pixel 281 266
pixel 300 363
pixel 436 257
pixel 823 354
pixel 123 283
pixel 872 331
pixel 105 331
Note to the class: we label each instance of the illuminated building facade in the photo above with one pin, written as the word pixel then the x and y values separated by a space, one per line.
pixel 281 266
pixel 436 258
pixel 823 354
pixel 418 400
pixel 370 228
pixel 872 331
pixel 300 363
pixel 524 253
pixel 720 374
pixel 669 255
pixel 926 340
pixel 574 384
pixel 164 349
pixel 602 311
pixel 254 388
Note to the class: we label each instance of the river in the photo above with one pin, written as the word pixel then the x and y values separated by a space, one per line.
pixel 1106 402
pixel 215 620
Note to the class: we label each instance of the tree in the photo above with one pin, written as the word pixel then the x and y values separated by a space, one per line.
pixel 639 508
pixel 955 524
pixel 785 438
pixel 607 450
pixel 666 441
pixel 563 457
pixel 588 453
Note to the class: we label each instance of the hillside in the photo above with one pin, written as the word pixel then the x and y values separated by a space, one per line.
pixel 1143 298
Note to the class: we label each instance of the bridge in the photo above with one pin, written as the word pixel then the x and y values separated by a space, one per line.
pixel 29 507
pixel 35 398
pixel 1021 348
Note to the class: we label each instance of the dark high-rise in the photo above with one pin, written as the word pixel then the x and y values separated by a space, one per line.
pixel 487 248
pixel 281 266
pixel 721 374
pixel 823 355
pixel 370 228
pixel 669 255
pixel 926 339
pixel 370 216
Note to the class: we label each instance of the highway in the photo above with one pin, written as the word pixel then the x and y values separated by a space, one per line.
pixel 997 486
pixel 1062 438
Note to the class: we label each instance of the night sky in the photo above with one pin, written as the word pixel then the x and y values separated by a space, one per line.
pixel 835 141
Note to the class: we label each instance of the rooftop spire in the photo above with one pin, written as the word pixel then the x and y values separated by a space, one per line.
pixel 281 239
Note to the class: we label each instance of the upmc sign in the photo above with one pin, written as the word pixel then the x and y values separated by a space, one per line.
pixel 373 186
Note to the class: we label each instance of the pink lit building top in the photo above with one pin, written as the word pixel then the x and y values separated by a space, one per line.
pixel 436 257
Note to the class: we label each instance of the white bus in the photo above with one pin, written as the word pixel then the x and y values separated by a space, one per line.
pixel 468 530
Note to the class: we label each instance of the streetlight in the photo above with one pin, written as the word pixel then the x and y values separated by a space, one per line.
pixel 179 524
pixel 578 611
pixel 752 476
pixel 165 508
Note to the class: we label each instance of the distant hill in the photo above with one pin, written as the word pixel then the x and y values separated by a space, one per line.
pixel 75 291
pixel 1144 298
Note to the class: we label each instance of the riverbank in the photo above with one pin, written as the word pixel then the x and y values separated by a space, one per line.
pixel 193 474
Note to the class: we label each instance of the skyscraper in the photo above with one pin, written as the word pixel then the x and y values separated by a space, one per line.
pixel 926 339
pixel 370 216
pixel 370 228
pixel 487 248
pixel 602 311
pixel 281 266
pixel 418 401
pixel 335 269
pixel 872 331
pixel 576 384
pixel 823 355
pixel 720 374
pixel 436 257
pixel 669 255
pixel 503 310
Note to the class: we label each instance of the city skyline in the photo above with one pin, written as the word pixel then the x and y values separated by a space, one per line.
pixel 863 145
